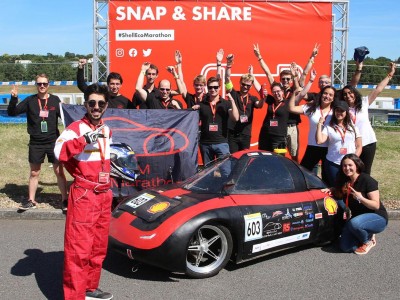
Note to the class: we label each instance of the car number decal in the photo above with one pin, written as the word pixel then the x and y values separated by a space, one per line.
pixel 253 227
pixel 136 202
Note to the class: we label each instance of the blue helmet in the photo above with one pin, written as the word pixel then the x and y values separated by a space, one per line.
pixel 124 164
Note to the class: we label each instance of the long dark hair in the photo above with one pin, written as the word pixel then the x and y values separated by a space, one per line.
pixel 314 104
pixel 341 178
pixel 358 96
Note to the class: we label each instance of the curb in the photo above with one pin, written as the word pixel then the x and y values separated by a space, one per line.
pixel 52 214
pixel 33 214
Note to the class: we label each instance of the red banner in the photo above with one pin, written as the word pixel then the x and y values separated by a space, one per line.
pixel 151 31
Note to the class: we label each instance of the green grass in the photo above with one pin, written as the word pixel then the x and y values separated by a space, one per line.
pixel 14 167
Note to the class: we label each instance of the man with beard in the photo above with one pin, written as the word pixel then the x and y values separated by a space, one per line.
pixel 84 149
pixel 161 99
pixel 114 83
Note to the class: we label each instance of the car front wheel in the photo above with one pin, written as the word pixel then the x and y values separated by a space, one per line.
pixel 208 251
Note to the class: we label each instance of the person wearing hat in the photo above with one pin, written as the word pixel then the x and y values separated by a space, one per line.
pixel 342 138
pixel 360 117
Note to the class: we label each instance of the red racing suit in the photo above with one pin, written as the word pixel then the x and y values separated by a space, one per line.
pixel 89 207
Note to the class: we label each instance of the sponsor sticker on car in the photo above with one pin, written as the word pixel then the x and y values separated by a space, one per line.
pixel 140 200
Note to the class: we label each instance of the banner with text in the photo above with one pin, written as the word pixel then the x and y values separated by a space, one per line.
pixel 151 31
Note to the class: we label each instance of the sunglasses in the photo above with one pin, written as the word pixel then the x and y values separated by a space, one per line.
pixel 213 87
pixel 198 85
pixel 246 85
pixel 101 104
pixel 42 84
pixel 164 89
pixel 286 79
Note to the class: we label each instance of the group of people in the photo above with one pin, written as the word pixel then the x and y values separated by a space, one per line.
pixel 340 136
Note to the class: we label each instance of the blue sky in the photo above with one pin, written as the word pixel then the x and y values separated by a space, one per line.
pixel 55 26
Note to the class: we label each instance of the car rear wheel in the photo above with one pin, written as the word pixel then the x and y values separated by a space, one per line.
pixel 208 251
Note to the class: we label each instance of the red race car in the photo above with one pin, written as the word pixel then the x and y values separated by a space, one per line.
pixel 241 207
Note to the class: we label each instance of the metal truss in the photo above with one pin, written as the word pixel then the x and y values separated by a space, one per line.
pixel 340 27
pixel 100 65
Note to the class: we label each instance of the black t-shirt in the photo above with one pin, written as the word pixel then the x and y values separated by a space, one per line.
pixel 365 184
pixel 191 100
pixel 293 118
pixel 214 127
pixel 119 102
pixel 276 123
pixel 154 101
pixel 245 106
pixel 137 101
pixel 30 106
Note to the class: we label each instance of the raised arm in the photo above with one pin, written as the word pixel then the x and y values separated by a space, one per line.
pixel 228 82
pixel 379 88
pixel 263 65
pixel 219 57
pixel 233 112
pixel 355 79
pixel 309 64
pixel 320 137
pixel 294 69
pixel 305 90
pixel 80 76
pixel 293 107
pixel 258 87
pixel 140 81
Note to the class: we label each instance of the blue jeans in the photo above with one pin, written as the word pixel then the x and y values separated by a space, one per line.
pixel 331 170
pixel 212 151
pixel 359 230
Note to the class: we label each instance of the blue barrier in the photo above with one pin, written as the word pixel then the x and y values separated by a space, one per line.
pixel 397 103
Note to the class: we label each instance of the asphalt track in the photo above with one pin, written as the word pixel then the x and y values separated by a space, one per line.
pixel 32 257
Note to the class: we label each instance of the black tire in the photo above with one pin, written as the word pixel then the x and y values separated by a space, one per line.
pixel 209 250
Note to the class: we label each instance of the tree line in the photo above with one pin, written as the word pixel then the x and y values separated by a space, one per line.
pixel 59 67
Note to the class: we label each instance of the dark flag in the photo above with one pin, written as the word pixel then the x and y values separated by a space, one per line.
pixel 165 141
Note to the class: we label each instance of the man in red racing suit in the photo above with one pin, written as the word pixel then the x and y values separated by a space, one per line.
pixel 84 149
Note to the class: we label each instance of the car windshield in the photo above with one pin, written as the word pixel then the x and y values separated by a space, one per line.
pixel 212 178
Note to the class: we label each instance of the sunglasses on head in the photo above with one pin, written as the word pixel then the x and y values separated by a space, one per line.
pixel 164 89
pixel 42 84
pixel 101 103
pixel 213 87
pixel 246 85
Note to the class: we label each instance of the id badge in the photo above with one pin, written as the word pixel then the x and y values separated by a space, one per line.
pixel 104 177
pixel 273 123
pixel 44 114
pixel 244 119
pixel 213 127
pixel 343 151
pixel 43 126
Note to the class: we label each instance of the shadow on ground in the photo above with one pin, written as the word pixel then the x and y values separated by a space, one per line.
pixel 47 268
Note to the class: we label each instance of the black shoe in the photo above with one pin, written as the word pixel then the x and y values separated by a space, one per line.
pixel 64 206
pixel 98 294
pixel 29 204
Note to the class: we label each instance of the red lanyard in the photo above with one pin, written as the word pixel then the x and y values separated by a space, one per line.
pixel 213 110
pixel 322 114
pixel 348 193
pixel 45 104
pixel 197 100
pixel 166 103
pixel 244 104
pixel 353 117
pixel 341 132
pixel 275 109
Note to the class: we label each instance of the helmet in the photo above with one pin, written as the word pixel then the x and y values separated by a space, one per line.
pixel 124 164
